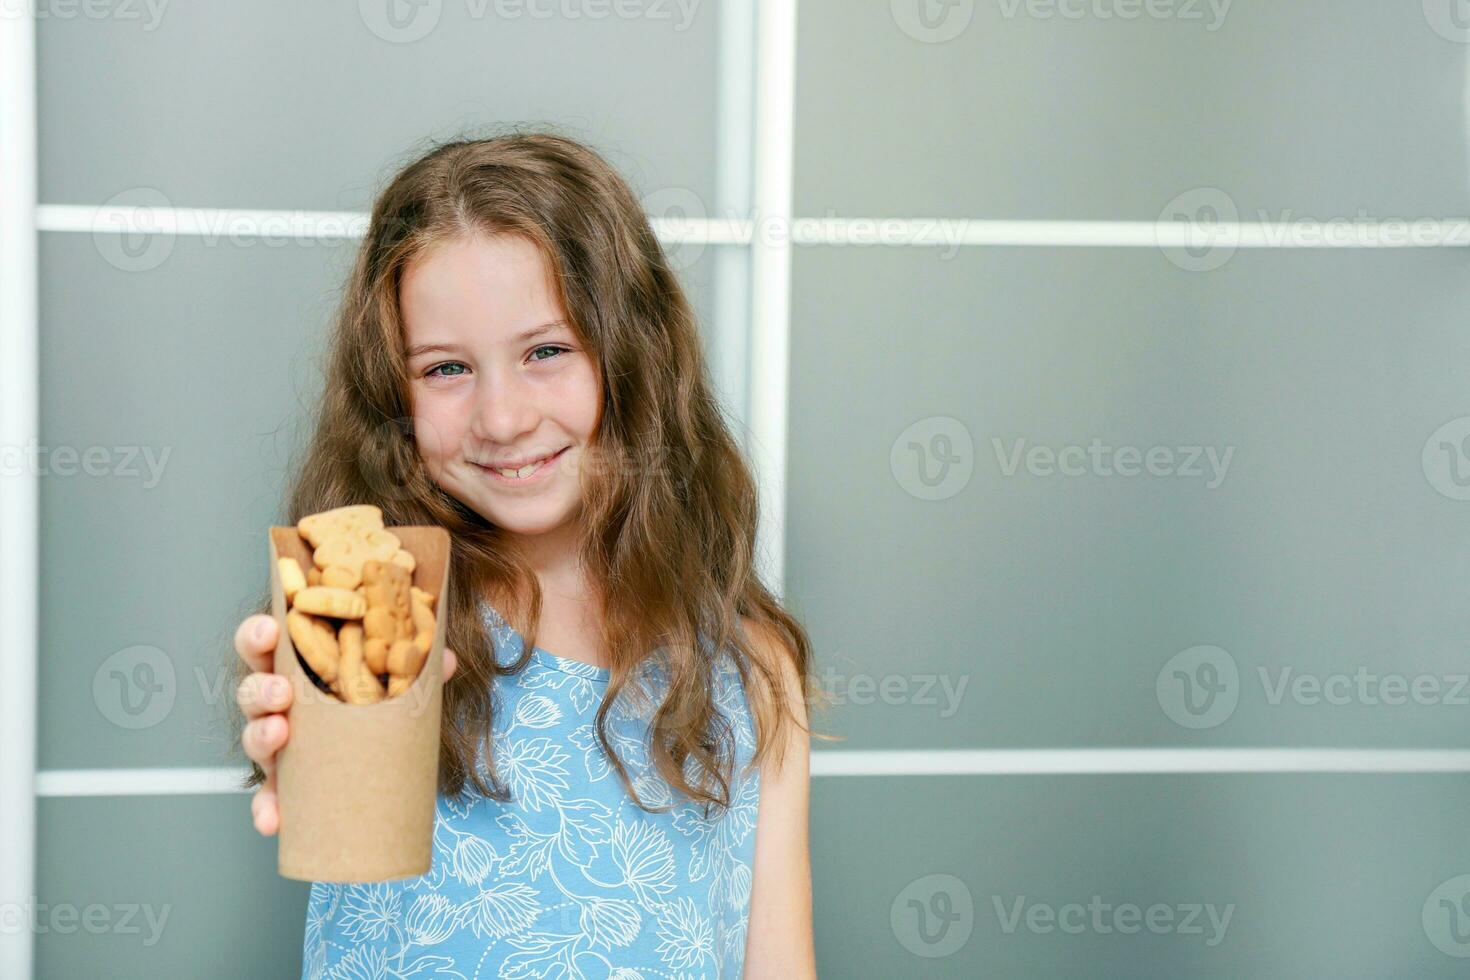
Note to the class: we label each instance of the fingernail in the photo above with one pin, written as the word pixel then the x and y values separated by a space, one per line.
pixel 260 630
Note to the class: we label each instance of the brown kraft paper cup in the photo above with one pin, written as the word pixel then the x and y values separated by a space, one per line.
pixel 357 783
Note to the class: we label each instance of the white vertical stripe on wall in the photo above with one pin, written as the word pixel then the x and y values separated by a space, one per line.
pixel 770 263
pixel 19 491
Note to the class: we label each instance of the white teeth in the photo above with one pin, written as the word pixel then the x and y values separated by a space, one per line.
pixel 521 473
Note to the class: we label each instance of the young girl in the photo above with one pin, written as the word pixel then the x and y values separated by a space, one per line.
pixel 515 362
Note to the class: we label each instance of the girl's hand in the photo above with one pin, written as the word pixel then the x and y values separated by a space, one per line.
pixel 265 698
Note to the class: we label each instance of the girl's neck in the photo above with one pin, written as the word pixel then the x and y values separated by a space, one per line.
pixel 553 555
pixel 557 564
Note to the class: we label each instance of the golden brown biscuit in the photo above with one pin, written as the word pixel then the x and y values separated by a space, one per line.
pixel 361 575
pixel 389 616
pixel 423 626
pixel 342 577
pixel 316 641
pixel 352 550
pixel 322 600
pixel 404 659
pixel 355 684
pixel 357 518
pixel 292 579
pixel 375 652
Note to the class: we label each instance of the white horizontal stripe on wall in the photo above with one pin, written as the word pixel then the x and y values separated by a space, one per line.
pixel 138 782
pixel 939 762
pixel 1063 762
pixel 308 225
pixel 777 230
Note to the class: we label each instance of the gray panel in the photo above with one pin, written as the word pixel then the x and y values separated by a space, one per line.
pixel 1058 600
pixel 207 357
pixel 1321 876
pixel 210 357
pixel 288 105
pixel 178 887
pixel 1029 111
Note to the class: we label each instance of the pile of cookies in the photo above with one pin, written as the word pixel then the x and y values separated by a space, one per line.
pixel 355 616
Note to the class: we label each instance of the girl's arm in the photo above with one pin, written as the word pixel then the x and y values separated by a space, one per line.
pixel 778 943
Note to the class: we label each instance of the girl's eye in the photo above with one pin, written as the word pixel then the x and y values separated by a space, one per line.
pixel 447 364
pixel 433 372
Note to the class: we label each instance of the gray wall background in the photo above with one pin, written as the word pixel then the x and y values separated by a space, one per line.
pixel 954 603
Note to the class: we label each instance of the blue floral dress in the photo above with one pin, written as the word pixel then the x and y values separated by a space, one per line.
pixel 570 878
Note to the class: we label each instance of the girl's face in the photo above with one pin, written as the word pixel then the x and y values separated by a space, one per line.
pixel 498 379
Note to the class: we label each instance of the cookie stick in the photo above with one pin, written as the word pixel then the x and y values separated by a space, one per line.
pixel 316 641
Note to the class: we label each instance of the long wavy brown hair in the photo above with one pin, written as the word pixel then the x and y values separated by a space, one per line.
pixel 669 503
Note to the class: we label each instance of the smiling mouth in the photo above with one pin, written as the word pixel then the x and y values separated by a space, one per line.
pixel 525 472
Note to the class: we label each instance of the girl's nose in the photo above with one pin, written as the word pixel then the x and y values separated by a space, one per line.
pixel 504 409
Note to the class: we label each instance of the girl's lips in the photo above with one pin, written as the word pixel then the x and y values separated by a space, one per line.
pixel 536 476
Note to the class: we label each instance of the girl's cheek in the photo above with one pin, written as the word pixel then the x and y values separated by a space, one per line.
pixel 580 388
pixel 431 437
pixel 437 429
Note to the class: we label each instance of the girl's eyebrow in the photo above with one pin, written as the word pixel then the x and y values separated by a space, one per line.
pixel 535 332
pixel 522 337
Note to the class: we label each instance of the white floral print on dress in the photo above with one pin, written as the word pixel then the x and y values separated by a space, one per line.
pixel 569 879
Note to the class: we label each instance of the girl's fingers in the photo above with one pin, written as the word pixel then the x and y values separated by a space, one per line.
pixel 260 694
pixel 255 641
pixel 451 663
pixel 265 811
pixel 263 738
